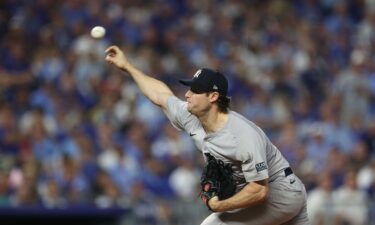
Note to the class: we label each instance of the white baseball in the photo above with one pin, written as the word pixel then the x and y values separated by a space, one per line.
pixel 98 32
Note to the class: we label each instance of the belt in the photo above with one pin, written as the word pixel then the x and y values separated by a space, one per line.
pixel 288 171
pixel 282 173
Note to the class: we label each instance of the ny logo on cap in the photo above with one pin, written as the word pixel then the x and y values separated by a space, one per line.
pixel 197 73
pixel 215 87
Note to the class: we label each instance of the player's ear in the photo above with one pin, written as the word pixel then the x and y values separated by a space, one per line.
pixel 214 96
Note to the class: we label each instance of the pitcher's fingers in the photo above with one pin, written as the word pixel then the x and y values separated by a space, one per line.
pixel 112 48
pixel 108 59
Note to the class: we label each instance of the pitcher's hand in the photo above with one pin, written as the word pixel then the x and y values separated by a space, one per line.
pixel 114 55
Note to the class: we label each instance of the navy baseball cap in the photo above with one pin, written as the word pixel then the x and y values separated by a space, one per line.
pixel 207 80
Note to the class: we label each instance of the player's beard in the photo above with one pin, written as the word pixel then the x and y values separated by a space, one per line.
pixel 197 110
pixel 189 108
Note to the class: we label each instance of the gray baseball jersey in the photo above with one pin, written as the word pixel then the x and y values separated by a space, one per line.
pixel 240 143
pixel 253 157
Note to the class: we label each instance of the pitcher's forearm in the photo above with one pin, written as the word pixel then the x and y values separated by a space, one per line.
pixel 152 88
pixel 250 195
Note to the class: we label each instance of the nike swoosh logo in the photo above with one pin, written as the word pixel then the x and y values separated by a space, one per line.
pixel 191 135
pixel 292 181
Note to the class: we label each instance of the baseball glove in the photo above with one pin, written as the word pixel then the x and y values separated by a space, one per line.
pixel 216 180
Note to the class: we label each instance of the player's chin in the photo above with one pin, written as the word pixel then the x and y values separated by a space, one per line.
pixel 190 109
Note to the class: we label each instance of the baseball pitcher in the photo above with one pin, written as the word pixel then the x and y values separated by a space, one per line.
pixel 246 180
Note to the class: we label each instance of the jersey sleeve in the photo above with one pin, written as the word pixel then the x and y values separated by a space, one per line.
pixel 254 159
pixel 177 112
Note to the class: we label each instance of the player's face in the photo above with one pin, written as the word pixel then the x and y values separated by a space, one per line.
pixel 198 104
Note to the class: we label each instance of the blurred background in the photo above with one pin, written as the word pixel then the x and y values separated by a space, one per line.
pixel 79 142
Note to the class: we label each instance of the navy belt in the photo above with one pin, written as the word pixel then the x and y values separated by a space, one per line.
pixel 288 171
pixel 282 173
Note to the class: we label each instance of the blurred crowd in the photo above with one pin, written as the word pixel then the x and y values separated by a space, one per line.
pixel 75 131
